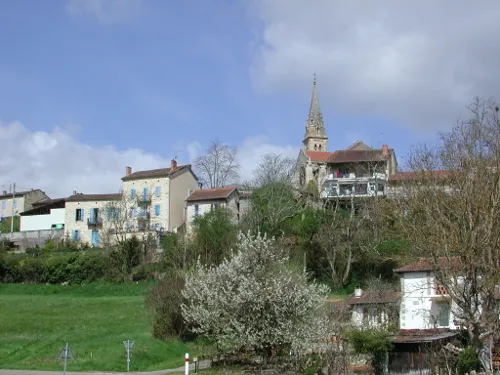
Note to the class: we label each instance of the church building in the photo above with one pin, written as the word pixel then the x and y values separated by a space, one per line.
pixel 357 171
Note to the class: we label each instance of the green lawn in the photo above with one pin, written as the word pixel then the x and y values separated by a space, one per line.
pixel 37 320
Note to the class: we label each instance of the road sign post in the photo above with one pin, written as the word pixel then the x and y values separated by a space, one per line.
pixel 65 354
pixel 128 346
pixel 195 360
pixel 186 366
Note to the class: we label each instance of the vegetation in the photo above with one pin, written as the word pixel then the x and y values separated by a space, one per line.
pixel 5 224
pixel 37 320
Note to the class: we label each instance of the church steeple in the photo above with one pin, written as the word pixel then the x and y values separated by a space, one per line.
pixel 315 138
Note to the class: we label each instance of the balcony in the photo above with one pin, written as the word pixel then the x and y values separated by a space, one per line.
pixel 144 201
pixel 352 186
pixel 94 222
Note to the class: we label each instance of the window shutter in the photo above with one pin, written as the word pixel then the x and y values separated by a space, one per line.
pixel 83 212
pixel 157 210
pixel 73 235
pixel 132 193
pixel 109 213
pixel 145 194
pixel 158 191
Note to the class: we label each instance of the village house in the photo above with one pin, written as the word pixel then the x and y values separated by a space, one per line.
pixel 14 203
pixel 47 214
pixel 202 201
pixel 358 171
pixel 374 308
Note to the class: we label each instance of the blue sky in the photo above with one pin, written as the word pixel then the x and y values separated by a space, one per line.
pixel 89 86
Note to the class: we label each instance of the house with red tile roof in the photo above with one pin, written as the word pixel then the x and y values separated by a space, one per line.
pixel 359 170
pixel 202 201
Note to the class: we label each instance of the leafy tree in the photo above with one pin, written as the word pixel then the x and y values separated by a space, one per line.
pixel 254 301
pixel 6 223
pixel 215 233
pixel 374 342
pixel 125 256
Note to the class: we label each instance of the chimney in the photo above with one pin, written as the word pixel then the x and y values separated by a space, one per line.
pixel 74 192
pixel 128 171
pixel 358 292
pixel 173 164
pixel 385 150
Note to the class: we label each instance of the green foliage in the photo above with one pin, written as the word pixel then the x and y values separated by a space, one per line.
pixel 124 257
pixel 312 189
pixel 215 234
pixel 164 302
pixel 6 223
pixel 467 361
pixel 37 320
pixel 369 341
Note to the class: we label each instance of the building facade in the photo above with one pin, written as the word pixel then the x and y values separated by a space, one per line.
pixel 14 203
pixel 46 214
pixel 203 201
pixel 358 171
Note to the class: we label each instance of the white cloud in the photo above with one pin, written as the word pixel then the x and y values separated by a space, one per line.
pixel 58 163
pixel 107 12
pixel 418 63
pixel 250 152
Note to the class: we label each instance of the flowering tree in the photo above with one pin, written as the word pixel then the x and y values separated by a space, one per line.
pixel 254 301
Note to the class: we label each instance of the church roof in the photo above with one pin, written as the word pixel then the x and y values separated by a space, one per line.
pixel 347 156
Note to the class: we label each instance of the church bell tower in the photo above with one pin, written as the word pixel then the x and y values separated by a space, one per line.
pixel 315 138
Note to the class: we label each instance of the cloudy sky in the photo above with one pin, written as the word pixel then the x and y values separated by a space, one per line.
pixel 90 86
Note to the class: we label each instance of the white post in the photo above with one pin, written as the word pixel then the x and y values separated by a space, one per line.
pixel 186 368
pixel 65 357
pixel 13 211
pixel 128 355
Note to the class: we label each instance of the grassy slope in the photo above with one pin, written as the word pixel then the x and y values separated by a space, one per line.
pixel 37 320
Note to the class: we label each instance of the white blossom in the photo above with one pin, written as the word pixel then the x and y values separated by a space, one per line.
pixel 255 300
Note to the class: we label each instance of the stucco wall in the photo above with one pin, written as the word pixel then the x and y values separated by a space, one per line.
pixel 206 206
pixel 182 185
pixel 42 222
pixel 6 208
pixel 419 302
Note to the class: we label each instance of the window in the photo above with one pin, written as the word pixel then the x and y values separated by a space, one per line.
pixel 216 206
pixel 145 194
pixel 443 315
pixel 158 191
pixel 75 235
pixel 14 203
pixel 132 193
pixel 95 238
pixel 79 214
pixel 157 210
pixel 112 213
pixel 196 210
pixel 4 205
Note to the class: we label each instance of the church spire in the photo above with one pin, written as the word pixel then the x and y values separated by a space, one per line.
pixel 315 138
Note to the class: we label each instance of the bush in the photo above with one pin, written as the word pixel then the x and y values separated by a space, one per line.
pixel 164 302
pixel 467 361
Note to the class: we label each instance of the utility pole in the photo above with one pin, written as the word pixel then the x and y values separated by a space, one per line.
pixel 12 217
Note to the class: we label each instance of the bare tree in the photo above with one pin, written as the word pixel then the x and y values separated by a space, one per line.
pixel 274 168
pixel 218 167
pixel 449 209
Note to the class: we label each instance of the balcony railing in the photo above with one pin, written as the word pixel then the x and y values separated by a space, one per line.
pixel 94 221
pixel 357 177
pixel 346 189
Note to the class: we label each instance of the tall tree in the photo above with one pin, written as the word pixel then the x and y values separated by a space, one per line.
pixel 218 167
pixel 274 168
pixel 449 210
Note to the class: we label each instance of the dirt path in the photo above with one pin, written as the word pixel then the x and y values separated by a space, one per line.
pixel 202 365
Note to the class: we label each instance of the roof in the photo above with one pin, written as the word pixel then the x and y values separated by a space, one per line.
pixel 410 176
pixel 155 173
pixel 347 156
pixel 415 336
pixel 375 296
pixel 211 194
pixel 94 197
pixel 44 204
pixel 46 201
pixel 18 194
pixel 425 264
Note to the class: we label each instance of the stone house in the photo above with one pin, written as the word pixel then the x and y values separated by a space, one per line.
pixel 205 200
pixel 374 308
pixel 358 171
pixel 19 201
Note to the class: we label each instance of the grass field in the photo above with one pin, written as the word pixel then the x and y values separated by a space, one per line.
pixel 37 320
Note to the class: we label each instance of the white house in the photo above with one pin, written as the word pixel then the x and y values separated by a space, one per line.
pixel 425 303
pixel 374 308
pixel 46 214
pixel 205 200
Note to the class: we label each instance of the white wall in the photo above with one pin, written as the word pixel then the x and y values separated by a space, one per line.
pixel 42 222
pixel 419 302
pixel 206 206
pixel 373 313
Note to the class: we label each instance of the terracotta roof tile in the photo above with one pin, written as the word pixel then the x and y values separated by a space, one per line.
pixel 154 173
pixel 94 197
pixel 347 156
pixel 426 264
pixel 210 194
pixel 375 296
pixel 319 156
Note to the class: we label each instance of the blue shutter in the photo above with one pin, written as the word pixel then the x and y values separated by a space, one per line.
pixel 158 191
pixel 14 203
pixel 77 235
pixel 132 193
pixel 116 213
pixel 157 210
pixel 109 213
pixel 73 235
pixel 3 205
pixel 83 213
pixel 145 194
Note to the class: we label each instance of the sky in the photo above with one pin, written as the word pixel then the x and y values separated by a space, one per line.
pixel 88 87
